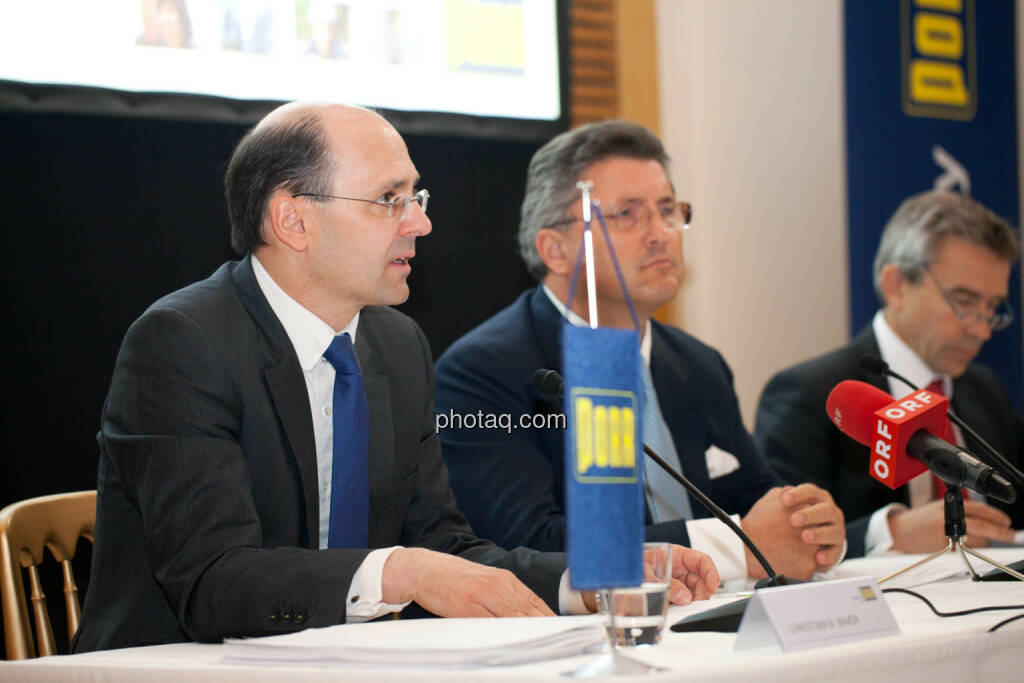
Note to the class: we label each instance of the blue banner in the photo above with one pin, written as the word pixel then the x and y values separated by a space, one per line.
pixel 931 103
pixel 603 456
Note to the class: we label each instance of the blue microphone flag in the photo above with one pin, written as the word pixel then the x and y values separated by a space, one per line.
pixel 604 465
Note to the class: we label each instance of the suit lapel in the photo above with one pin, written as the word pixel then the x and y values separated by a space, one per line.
pixel 866 344
pixel 287 390
pixel 382 434
pixel 680 411
pixel 669 372
pixel 969 403
pixel 547 322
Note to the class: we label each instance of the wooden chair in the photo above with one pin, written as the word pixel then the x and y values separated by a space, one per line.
pixel 26 528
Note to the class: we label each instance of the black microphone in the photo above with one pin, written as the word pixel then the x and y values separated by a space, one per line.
pixel 727 617
pixel 874 365
pixel 959 468
pixel 549 382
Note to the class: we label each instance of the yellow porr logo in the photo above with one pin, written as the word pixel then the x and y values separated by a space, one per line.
pixel 604 435
pixel 939 59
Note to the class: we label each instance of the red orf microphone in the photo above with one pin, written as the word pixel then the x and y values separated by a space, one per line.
pixel 872 417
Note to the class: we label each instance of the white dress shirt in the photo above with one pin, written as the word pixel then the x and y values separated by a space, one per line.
pixel 902 359
pixel 707 535
pixel 310 336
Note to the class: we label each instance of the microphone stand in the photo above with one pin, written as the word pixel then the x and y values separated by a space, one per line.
pixel 956 531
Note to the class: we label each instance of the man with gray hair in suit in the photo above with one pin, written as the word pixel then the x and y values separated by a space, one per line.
pixel 511 484
pixel 941 272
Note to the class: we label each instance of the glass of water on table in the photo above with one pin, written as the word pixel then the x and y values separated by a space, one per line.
pixel 633 617
pixel 636 616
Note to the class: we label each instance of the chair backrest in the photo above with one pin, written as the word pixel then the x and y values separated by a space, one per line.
pixel 26 528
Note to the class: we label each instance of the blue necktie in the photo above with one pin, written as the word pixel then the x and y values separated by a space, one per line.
pixel 350 483
pixel 666 498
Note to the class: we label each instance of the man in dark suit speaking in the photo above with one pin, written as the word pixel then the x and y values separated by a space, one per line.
pixel 268 457
pixel 941 272
pixel 510 482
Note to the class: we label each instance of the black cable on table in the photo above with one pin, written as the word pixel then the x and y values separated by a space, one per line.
pixel 1004 622
pixel 952 614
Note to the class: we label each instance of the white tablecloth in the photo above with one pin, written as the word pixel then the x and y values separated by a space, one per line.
pixel 929 648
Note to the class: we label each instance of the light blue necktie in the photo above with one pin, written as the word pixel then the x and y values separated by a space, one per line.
pixel 666 498
pixel 350 484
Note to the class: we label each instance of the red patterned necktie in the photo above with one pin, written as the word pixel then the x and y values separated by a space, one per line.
pixel 938 387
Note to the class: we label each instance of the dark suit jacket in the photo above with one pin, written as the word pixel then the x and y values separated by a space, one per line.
pixel 510 484
pixel 207 513
pixel 801 443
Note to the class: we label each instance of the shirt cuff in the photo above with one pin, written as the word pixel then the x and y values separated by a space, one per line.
pixel 721 543
pixel 878 538
pixel 364 601
pixel 570 601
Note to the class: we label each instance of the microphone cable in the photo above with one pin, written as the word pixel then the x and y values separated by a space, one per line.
pixel 960 613
pixel 1004 622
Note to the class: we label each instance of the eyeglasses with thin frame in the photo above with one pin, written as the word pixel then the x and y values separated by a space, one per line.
pixel 626 218
pixel 397 206
pixel 974 309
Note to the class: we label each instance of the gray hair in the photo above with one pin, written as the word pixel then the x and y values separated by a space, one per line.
pixel 555 168
pixel 914 233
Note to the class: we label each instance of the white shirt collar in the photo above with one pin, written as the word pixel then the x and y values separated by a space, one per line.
pixel 578 321
pixel 309 334
pixel 902 359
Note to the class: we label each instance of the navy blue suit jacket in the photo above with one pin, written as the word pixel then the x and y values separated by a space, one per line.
pixel 509 483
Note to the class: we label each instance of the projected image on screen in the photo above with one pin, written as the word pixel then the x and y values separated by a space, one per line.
pixel 165 24
pixel 482 57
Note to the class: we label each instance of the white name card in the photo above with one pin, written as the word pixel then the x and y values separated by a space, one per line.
pixel 810 615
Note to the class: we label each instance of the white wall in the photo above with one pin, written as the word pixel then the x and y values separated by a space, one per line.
pixel 752 115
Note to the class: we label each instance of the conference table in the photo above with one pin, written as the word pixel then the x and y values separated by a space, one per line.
pixel 928 648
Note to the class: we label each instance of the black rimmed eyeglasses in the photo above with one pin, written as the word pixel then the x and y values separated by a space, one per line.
pixel 398 206
pixel 970 306
pixel 627 217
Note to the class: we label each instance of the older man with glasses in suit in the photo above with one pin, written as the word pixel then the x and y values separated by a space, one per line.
pixel 942 273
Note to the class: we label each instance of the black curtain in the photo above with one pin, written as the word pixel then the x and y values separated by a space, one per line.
pixel 105 215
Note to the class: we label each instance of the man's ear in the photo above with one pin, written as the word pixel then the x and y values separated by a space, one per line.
pixel 892 283
pixel 554 249
pixel 285 220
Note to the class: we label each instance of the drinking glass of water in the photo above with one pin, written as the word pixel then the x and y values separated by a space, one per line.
pixel 636 616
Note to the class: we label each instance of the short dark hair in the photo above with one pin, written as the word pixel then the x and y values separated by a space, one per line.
pixel 922 222
pixel 555 168
pixel 293 154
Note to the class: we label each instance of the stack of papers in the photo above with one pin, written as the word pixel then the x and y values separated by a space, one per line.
pixel 425 643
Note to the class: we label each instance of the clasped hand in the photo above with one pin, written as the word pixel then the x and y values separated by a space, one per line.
pixel 923 529
pixel 799 529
